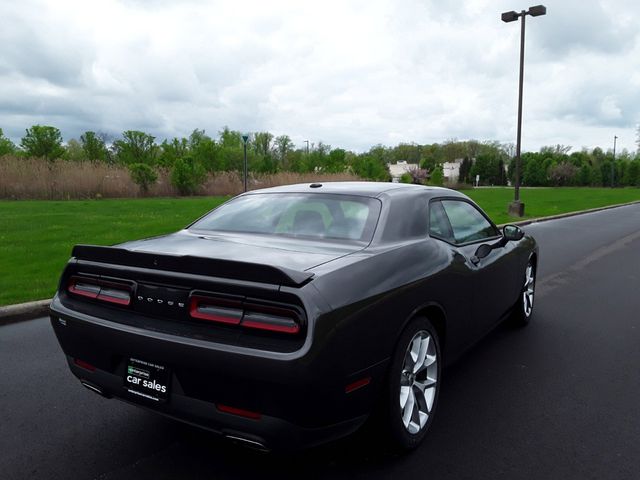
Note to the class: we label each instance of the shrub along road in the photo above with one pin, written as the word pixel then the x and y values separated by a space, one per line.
pixel 36 237
pixel 557 399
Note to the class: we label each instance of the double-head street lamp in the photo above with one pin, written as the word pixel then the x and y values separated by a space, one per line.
pixel 516 207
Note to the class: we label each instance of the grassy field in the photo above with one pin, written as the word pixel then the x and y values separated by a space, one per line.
pixel 36 237
pixel 542 202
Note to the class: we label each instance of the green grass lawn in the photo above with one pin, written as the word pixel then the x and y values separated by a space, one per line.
pixel 543 202
pixel 36 237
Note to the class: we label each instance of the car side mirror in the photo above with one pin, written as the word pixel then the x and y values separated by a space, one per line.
pixel 512 233
pixel 482 251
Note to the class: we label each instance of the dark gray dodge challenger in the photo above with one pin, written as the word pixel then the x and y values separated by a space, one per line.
pixel 288 316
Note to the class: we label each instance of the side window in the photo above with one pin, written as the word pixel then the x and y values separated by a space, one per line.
pixel 439 223
pixel 467 223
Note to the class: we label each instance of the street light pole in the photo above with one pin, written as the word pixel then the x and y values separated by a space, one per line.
pixel 516 198
pixel 307 142
pixel 613 164
pixel 245 138
pixel 516 208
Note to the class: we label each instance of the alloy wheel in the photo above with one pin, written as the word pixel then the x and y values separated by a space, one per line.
pixel 528 291
pixel 418 382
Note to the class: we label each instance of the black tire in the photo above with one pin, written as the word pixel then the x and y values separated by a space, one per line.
pixel 523 308
pixel 400 436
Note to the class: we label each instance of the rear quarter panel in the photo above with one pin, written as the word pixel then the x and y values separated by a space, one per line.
pixel 373 295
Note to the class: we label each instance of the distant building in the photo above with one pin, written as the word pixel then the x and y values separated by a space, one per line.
pixel 451 170
pixel 398 169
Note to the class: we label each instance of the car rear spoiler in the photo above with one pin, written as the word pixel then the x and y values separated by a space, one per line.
pixel 194 265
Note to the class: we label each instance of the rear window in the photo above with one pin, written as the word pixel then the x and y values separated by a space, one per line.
pixel 315 216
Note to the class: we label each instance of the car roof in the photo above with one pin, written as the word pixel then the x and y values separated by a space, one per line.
pixel 366 189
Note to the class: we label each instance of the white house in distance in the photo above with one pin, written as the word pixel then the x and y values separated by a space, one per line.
pixel 451 170
pixel 397 169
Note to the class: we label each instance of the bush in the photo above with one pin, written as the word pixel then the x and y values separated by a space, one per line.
pixel 187 176
pixel 406 178
pixel 143 175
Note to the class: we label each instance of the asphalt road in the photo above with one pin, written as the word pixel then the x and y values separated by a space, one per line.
pixel 559 399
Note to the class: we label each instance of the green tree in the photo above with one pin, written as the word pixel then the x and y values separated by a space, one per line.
pixel 43 141
pixel 206 152
pixel 187 176
pixel 453 150
pixel 489 165
pixel 437 177
pixel 230 138
pixel 93 146
pixel 585 176
pixel 408 152
pixel 6 146
pixel 283 147
pixel 136 147
pixel 370 167
pixel 534 171
pixel 143 175
pixel 336 162
pixel 431 155
pixel 262 143
pixel 74 151
pixel 632 175
pixel 170 151
pixel 465 171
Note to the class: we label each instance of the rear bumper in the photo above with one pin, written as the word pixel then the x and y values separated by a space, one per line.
pixel 301 403
pixel 266 433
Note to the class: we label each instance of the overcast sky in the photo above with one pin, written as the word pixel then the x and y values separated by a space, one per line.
pixel 349 73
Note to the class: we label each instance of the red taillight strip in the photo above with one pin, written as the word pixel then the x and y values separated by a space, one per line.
pixel 113 295
pixel 238 411
pixel 89 290
pixel 249 315
pixel 101 290
pixel 205 308
pixel 271 323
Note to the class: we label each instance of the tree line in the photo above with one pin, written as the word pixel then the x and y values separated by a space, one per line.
pixel 190 159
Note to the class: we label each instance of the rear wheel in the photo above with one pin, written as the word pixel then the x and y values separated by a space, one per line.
pixel 413 384
pixel 523 309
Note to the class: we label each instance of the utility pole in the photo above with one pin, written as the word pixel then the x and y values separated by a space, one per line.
pixel 613 163
pixel 516 208
pixel 245 138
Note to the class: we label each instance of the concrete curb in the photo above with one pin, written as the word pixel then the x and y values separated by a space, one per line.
pixel 30 310
pixel 23 311
pixel 568 214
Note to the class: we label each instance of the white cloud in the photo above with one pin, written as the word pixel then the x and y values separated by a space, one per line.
pixel 351 74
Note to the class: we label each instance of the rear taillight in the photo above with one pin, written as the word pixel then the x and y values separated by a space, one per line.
pixel 106 291
pixel 271 318
pixel 248 315
pixel 216 309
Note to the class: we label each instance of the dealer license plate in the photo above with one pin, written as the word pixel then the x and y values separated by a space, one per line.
pixel 147 380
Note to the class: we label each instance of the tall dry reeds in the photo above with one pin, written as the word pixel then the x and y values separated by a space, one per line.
pixel 31 178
